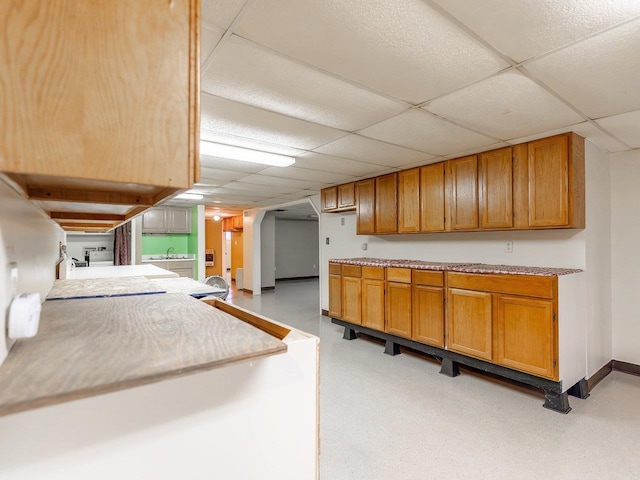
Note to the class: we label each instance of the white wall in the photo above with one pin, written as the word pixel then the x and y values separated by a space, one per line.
pixel 77 241
pixel 30 238
pixel 268 250
pixel 625 243
pixel 297 250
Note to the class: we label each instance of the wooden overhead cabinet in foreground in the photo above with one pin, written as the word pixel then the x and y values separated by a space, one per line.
pixel 100 106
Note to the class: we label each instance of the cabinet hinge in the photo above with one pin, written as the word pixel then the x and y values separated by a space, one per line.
pixel 555 319
pixel 555 362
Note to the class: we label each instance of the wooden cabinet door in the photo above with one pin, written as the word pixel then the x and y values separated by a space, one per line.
pixel 373 303
pixel 428 315
pixel 527 335
pixel 548 163
pixel 469 323
pixel 329 199
pixel 238 222
pixel 409 201
pixel 496 189
pixel 179 220
pixel 365 206
pixel 346 195
pixel 101 90
pixel 399 309
pixel 154 220
pixel 432 198
pixel 464 193
pixel 335 296
pixel 351 299
pixel 386 211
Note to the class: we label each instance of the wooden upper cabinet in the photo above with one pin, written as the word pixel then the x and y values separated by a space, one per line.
pixel 469 323
pixel 496 189
pixel 329 198
pixel 409 201
pixel 100 101
pixel 463 180
pixel 527 335
pixel 556 182
pixel 365 206
pixel 432 198
pixel 386 204
pixel 346 195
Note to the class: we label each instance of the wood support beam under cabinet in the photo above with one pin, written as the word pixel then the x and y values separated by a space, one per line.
pixel 87 216
pixel 86 196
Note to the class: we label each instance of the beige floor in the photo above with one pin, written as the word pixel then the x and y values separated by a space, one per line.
pixel 397 418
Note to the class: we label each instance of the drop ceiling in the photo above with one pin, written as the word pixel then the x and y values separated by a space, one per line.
pixel 353 89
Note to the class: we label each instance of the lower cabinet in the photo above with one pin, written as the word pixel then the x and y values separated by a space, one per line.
pixel 427 318
pixel 398 304
pixel 182 268
pixel 335 294
pixel 351 294
pixel 469 323
pixel 526 335
pixel 373 294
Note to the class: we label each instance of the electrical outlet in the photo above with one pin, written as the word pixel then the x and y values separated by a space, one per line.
pixel 342 221
pixel 314 266
pixel 327 241
pixel 364 246
pixel 508 247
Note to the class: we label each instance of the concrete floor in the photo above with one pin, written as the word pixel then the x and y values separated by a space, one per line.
pixel 397 418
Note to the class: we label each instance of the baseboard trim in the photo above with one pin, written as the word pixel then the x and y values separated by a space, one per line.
pixel 597 377
pixel 264 289
pixel 325 312
pixel 625 367
pixel 296 278
pixel 246 290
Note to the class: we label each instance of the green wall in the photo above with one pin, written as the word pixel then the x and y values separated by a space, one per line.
pixel 159 244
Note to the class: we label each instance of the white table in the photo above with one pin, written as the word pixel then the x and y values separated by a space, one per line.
pixel 149 271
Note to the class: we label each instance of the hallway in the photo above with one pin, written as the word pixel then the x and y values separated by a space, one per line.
pixel 386 417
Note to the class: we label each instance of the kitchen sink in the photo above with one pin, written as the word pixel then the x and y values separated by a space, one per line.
pixel 170 257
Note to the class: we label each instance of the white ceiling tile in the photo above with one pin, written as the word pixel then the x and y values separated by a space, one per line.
pixel 506 106
pixel 247 73
pixel 209 38
pixel 234 193
pixel 525 29
pixel 367 150
pixel 600 75
pixel 282 182
pixel 425 132
pixel 232 118
pixel 221 12
pixel 584 129
pixel 399 47
pixel 626 127
pixel 249 143
pixel 329 163
pixel 217 174
pixel 265 190
pixel 310 175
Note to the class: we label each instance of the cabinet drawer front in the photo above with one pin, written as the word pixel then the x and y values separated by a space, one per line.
pixel 529 285
pixel 335 269
pixel 351 271
pixel 399 275
pixel 422 277
pixel 178 265
pixel 376 273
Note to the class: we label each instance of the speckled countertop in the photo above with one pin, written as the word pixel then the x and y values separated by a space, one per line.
pixel 457 267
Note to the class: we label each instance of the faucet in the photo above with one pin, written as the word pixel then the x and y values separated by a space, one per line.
pixel 170 249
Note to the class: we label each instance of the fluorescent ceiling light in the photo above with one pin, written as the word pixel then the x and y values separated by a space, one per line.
pixel 245 154
pixel 190 196
pixel 216 218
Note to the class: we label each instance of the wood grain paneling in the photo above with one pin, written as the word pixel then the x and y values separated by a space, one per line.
pixel 432 198
pixel 398 304
pixel 213 241
pixel 424 277
pixel 93 346
pixel 335 269
pixel 365 207
pixel 409 201
pixel 469 323
pixel 351 271
pixel 527 335
pixel 373 294
pixel 548 165
pixel 400 275
pixel 464 193
pixel 335 296
pixel 329 198
pixel 376 273
pixel 529 285
pixel 386 211
pixel 496 189
pixel 352 299
pixel 428 315
pixel 346 195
